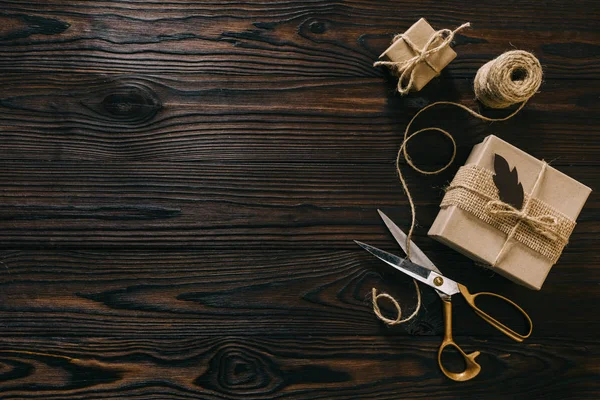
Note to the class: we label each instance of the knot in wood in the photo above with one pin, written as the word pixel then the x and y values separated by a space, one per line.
pixel 132 103
pixel 241 370
pixel 317 27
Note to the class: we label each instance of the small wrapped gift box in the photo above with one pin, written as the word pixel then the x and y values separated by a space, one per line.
pixel 510 211
pixel 418 35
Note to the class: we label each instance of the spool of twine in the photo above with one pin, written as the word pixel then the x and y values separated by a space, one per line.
pixel 512 78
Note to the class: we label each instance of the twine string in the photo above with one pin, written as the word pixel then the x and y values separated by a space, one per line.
pixel 544 224
pixel 544 229
pixel 505 95
pixel 406 69
pixel 511 78
pixel 524 217
pixel 398 320
pixel 403 151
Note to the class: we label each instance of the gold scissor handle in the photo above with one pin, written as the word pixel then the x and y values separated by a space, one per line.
pixel 472 369
pixel 470 298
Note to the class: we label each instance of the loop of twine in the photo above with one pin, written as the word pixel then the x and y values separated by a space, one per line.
pixel 544 224
pixel 406 69
pixel 398 319
pixel 505 95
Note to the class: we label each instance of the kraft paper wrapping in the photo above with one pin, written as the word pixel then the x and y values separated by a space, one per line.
pixel 420 33
pixel 482 242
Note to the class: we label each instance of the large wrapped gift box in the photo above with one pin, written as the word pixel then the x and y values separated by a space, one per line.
pixel 509 211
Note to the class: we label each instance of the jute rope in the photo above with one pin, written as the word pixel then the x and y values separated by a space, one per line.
pixel 405 70
pixel 544 225
pixel 511 78
pixel 522 217
pixel 508 66
pixel 537 225
pixel 398 320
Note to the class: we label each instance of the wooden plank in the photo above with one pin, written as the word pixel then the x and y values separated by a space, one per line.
pixel 297 38
pixel 154 294
pixel 197 118
pixel 302 367
pixel 206 205
pixel 181 183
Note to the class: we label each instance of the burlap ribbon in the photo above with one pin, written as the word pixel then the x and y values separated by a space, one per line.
pixel 537 225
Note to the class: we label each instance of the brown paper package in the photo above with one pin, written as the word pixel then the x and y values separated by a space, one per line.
pixel 420 33
pixel 481 242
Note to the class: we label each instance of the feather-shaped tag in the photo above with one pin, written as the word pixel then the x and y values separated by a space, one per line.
pixel 510 189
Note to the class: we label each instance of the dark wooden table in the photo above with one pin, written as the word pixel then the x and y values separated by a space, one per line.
pixel 182 182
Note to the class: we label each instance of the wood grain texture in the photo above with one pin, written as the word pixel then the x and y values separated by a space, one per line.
pixel 118 294
pixel 234 367
pixel 181 182
pixel 206 205
pixel 264 119
pixel 301 38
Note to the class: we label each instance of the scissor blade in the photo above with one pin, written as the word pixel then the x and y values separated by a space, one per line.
pixel 416 253
pixel 420 273
pixel 401 264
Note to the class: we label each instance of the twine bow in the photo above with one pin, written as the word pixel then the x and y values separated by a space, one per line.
pixel 536 225
pixel 406 69
pixel 544 224
pixel 541 224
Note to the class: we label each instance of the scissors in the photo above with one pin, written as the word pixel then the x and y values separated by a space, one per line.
pixel 424 270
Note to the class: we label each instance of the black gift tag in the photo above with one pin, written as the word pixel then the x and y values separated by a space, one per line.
pixel 506 180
